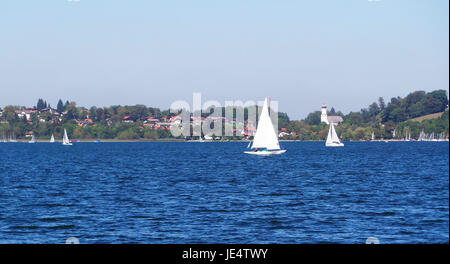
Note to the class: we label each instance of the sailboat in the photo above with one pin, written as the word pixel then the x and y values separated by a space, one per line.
pixel 52 139
pixel 266 140
pixel 33 139
pixel 421 136
pixel 66 139
pixel 12 138
pixel 373 136
pixel 333 139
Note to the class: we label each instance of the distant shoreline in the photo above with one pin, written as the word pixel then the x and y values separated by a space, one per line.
pixel 182 140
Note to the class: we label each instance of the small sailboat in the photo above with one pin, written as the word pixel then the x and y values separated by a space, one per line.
pixel 33 139
pixel 373 136
pixel 12 138
pixel 266 140
pixel 66 139
pixel 421 136
pixel 52 139
pixel 333 139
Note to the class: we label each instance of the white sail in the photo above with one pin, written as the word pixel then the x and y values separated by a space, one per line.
pixel 373 136
pixel 52 139
pixel 265 136
pixel 66 138
pixel 421 136
pixel 12 138
pixel 332 138
pixel 330 132
pixel 33 139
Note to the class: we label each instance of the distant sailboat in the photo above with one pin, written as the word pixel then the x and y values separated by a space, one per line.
pixel 66 139
pixel 52 139
pixel 421 136
pixel 12 138
pixel 373 136
pixel 266 140
pixel 333 139
pixel 33 139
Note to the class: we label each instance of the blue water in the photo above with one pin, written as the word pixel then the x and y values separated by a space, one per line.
pixel 213 193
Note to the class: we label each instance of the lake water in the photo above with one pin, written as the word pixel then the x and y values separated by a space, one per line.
pixel 189 192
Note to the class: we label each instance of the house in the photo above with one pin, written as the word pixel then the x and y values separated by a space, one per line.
pixel 175 118
pixel 150 120
pixel 127 119
pixel 335 119
pixel 250 131
pixel 49 110
pixel 283 134
pixel 85 122
pixel 164 125
pixel 27 112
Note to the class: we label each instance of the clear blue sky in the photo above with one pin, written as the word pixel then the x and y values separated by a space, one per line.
pixel 302 53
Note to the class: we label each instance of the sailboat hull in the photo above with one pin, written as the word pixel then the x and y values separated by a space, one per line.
pixel 334 144
pixel 266 153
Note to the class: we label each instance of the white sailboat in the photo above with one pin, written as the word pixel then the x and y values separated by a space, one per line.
pixel 333 139
pixel 66 139
pixel 33 139
pixel 421 136
pixel 12 138
pixel 373 136
pixel 266 140
pixel 52 139
pixel 4 140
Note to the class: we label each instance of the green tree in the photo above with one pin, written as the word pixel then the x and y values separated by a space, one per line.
pixel 313 118
pixel 60 106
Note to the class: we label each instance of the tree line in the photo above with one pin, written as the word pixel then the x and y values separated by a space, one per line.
pixel 108 122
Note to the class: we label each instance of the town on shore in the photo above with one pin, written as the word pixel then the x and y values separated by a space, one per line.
pixel 418 116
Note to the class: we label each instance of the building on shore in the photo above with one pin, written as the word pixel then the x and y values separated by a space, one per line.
pixel 324 117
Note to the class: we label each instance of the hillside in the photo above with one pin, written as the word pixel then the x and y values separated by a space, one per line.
pixel 426 117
